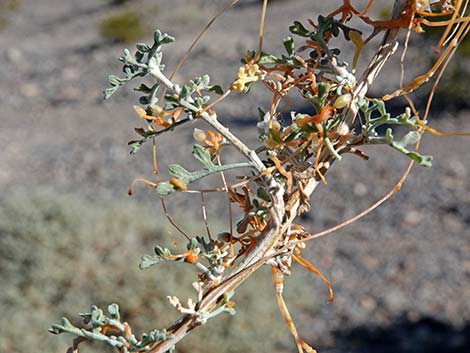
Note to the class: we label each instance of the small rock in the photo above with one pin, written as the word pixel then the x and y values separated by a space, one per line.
pixel 452 182
pixel 457 168
pixel 395 300
pixel 412 218
pixel 14 56
pixel 368 303
pixel 453 223
pixel 413 316
pixel 70 74
pixel 466 267
pixel 360 189
pixel 30 90
pixel 337 274
pixel 372 263
pixel 71 93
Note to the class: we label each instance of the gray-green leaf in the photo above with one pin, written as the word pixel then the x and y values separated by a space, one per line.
pixel 148 261
pixel 203 156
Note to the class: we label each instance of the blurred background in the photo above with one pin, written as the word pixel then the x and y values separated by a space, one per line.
pixel 70 236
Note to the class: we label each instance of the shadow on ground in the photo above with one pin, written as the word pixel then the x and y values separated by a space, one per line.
pixel 426 335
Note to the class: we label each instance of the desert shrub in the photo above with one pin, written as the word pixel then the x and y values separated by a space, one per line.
pixel 7 7
pixel 120 2
pixel 60 253
pixel 126 26
pixel 452 93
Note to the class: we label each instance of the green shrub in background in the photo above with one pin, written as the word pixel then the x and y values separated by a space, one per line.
pixel 6 9
pixel 120 2
pixel 9 5
pixel 60 253
pixel 452 92
pixel 125 26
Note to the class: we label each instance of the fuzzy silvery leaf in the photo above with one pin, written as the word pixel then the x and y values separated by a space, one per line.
pixel 323 91
pixel 202 82
pixel 289 46
pixel 216 89
pixel 143 88
pixel 64 325
pixel 108 92
pixel 142 47
pixel 200 101
pixel 230 311
pixel 139 56
pixel 193 244
pixel 148 261
pixel 144 133
pixel 160 251
pixel 114 80
pixel 203 156
pixel 154 336
pixel 299 29
pixel 135 146
pixel 410 138
pixel 162 38
pixel 262 194
pixel 185 91
pixel 113 310
pixel 179 173
pixel 266 59
pixel 97 316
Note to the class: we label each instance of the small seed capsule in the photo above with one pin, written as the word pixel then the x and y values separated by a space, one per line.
pixel 140 112
pixel 199 135
pixel 408 112
pixel 275 125
pixel 342 101
pixel 157 110
pixel 342 129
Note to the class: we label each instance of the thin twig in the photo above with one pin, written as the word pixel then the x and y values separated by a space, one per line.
pixel 204 216
pixel 167 215
pixel 212 120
